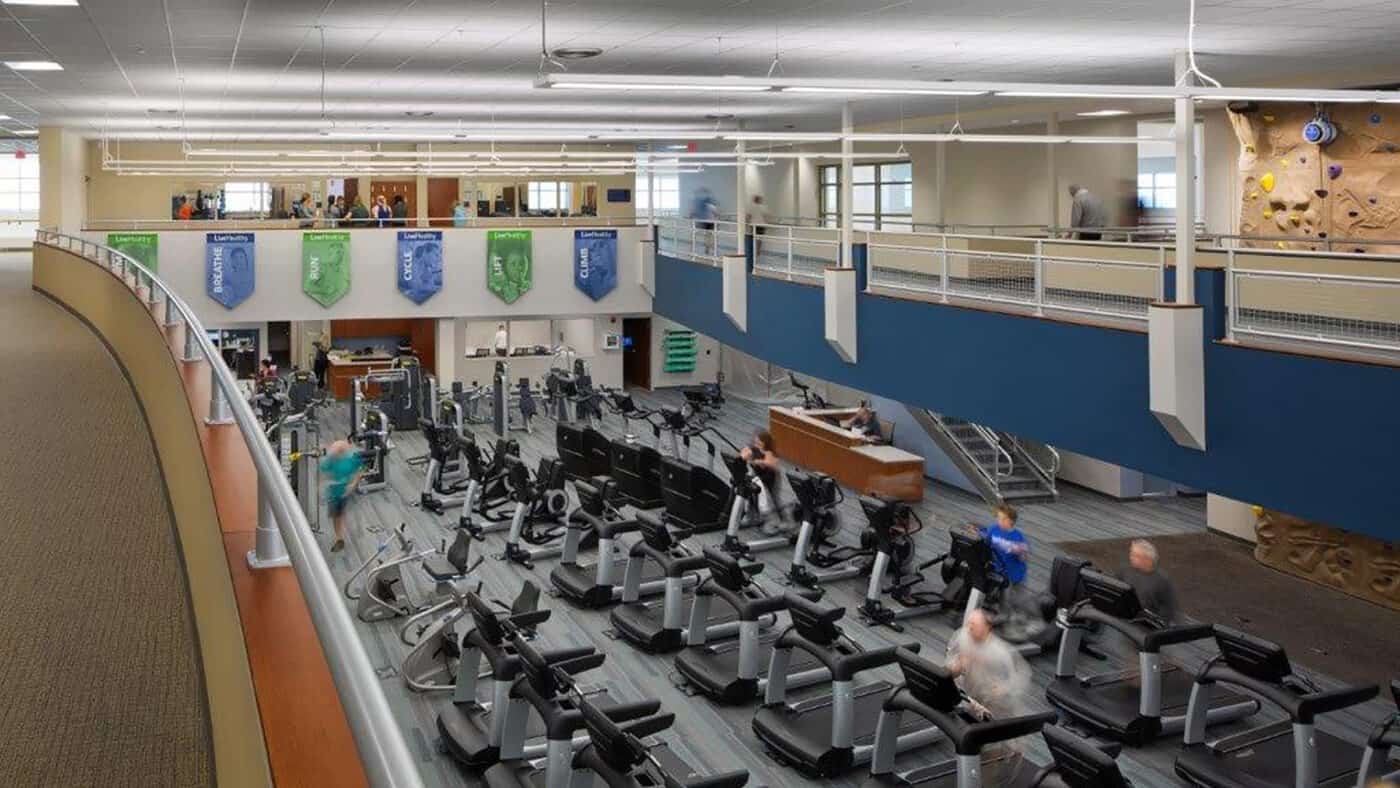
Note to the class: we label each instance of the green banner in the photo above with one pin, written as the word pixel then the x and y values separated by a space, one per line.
pixel 509 267
pixel 325 266
pixel 140 247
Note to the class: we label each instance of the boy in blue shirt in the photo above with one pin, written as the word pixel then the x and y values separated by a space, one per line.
pixel 1010 548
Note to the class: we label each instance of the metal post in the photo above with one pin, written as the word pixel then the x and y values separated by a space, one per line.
pixel 651 187
pixel 940 161
pixel 1232 295
pixel 151 291
pixel 1040 275
pixel 268 550
pixel 789 252
pixel 219 411
pixel 1185 132
pixel 847 190
pixel 191 343
pixel 1052 126
pixel 741 190
pixel 172 315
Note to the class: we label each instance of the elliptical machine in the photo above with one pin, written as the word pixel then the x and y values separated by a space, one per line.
pixel 746 511
pixel 538 501
pixel 893 525
pixel 816 559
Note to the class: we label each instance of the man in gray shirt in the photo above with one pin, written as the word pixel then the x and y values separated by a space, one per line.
pixel 1087 212
pixel 1154 589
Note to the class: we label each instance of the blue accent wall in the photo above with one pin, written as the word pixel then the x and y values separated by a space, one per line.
pixel 1305 435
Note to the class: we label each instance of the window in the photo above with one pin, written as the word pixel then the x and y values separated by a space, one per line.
pixel 247 197
pixel 882 196
pixel 550 196
pixel 1157 191
pixel 668 195
pixel 19 187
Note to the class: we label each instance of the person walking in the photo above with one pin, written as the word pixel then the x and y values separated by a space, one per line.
pixel 320 364
pixel 459 214
pixel 1154 589
pixel 399 210
pixel 343 467
pixel 359 212
pixel 1087 216
pixel 382 214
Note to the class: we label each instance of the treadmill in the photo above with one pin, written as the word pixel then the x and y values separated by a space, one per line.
pixel 583 449
pixel 831 734
pixel 694 496
pixel 595 584
pixel 1138 705
pixel 735 671
pixel 1290 752
pixel 637 469
pixel 659 626
pixel 930 693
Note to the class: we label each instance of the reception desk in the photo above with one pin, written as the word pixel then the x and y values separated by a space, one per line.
pixel 343 369
pixel 815 440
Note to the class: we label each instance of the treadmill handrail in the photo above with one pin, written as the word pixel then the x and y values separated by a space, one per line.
pixel 1301 708
pixel 1147 639
pixel 750 608
pixel 615 528
pixel 969 738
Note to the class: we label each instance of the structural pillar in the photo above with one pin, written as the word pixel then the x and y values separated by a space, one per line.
pixel 940 168
pixel 1052 126
pixel 840 283
pixel 1176 331
pixel 62 180
pixel 847 190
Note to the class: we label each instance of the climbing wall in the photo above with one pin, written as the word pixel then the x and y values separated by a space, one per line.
pixel 1355 564
pixel 1306 193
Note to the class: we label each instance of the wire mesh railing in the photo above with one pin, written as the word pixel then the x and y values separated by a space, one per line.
pixel 795 253
pixel 384 754
pixel 697 241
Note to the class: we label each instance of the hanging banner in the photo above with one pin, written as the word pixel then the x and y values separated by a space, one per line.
pixel 325 266
pixel 509 268
pixel 419 271
pixel 595 262
pixel 140 247
pixel 228 267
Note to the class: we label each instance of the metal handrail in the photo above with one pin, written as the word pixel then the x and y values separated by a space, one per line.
pixel 992 441
pixel 942 425
pixel 343 223
pixel 1048 474
pixel 384 754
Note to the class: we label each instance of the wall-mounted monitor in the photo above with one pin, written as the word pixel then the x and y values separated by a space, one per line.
pixel 619 195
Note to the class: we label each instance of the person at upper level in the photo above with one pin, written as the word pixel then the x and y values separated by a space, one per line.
pixel 359 212
pixel 459 214
pixel 400 211
pixel 1087 215
pixel 336 210
pixel 382 214
pixel 185 209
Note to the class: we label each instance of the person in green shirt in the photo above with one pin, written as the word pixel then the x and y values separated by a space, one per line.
pixel 342 466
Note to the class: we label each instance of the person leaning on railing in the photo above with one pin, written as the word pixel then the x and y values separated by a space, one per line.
pixel 359 212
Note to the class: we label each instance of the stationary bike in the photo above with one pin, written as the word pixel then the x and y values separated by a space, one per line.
pixel 541 505
pixel 816 558
pixel 893 525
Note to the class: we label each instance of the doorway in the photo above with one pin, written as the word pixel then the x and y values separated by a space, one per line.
pixel 279 343
pixel 442 193
pixel 408 190
pixel 636 352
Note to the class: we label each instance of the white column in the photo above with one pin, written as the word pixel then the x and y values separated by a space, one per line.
pixel 446 352
pixel 847 192
pixel 62 179
pixel 741 190
pixel 1185 133
pixel 651 189
pixel 796 189
pixel 1052 126
pixel 940 179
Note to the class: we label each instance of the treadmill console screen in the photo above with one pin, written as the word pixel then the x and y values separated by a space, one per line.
pixel 928 681
pixel 1254 657
pixel 1110 596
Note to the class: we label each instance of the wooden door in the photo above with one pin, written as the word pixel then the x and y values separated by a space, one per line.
pixel 508 197
pixel 352 188
pixel 442 192
pixel 636 351
pixel 389 189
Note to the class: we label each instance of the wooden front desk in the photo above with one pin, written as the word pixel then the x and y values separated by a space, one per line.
pixel 343 370
pixel 814 440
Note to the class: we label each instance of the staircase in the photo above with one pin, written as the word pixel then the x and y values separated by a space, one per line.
pixel 1004 468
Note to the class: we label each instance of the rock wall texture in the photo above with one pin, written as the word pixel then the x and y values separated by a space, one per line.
pixel 1299 195
pixel 1358 565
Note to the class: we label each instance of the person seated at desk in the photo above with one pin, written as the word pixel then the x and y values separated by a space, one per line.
pixel 865 423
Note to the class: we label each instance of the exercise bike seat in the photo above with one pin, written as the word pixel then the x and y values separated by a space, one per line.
pixel 454 564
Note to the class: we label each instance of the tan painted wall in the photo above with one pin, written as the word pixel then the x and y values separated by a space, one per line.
pixel 127 326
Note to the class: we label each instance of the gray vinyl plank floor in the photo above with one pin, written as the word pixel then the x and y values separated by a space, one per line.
pixel 713 738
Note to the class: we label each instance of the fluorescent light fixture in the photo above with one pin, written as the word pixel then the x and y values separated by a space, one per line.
pixel 1105 92
pixel 1301 96
pixel 1046 139
pixel 1117 140
pixel 855 90
pixel 1104 113
pixel 41 2
pixel 778 136
pixel 27 132
pixel 661 86
pixel 657 135
pixel 33 65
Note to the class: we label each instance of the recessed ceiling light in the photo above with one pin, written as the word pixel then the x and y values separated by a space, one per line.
pixel 41 2
pixel 576 53
pixel 1103 113
pixel 33 65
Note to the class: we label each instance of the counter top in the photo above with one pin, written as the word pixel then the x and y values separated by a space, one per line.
pixel 344 361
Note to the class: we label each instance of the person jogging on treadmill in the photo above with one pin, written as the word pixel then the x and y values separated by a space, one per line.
pixel 343 467
pixel 997 681
pixel 1154 589
pixel 1010 549
pixel 761 457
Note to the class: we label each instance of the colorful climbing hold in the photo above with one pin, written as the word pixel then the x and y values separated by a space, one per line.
pixel 1249 148
pixel 1283 163
pixel 1268 214
pixel 1375 118
pixel 1295 219
pixel 1266 181
pixel 1321 193
pixel 1268 118
pixel 1322 235
pixel 1334 171
pixel 1372 200
pixel 1254 195
pixel 1280 244
pixel 1353 214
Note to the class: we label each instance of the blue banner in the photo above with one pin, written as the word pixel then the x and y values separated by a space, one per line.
pixel 228 267
pixel 419 271
pixel 595 262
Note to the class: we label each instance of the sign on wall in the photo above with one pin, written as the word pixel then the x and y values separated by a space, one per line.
pixel 325 266
pixel 228 267
pixel 141 247
pixel 419 269
pixel 509 267
pixel 595 262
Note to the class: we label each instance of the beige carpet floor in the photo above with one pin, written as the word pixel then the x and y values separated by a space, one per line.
pixel 99 670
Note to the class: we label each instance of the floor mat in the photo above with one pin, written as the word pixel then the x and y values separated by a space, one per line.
pixel 1218 580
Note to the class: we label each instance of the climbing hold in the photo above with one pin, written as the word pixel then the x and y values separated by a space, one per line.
pixel 1249 148
pixel 1390 147
pixel 1353 214
pixel 1334 171
pixel 1375 118
pixel 1268 118
pixel 1372 200
pixel 1322 235
pixel 1254 195
pixel 1266 181
pixel 1320 193
pixel 1295 219
pixel 1268 214
pixel 1280 244
pixel 1302 159
pixel 1360 250
pixel 1307 231
pixel 1283 163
